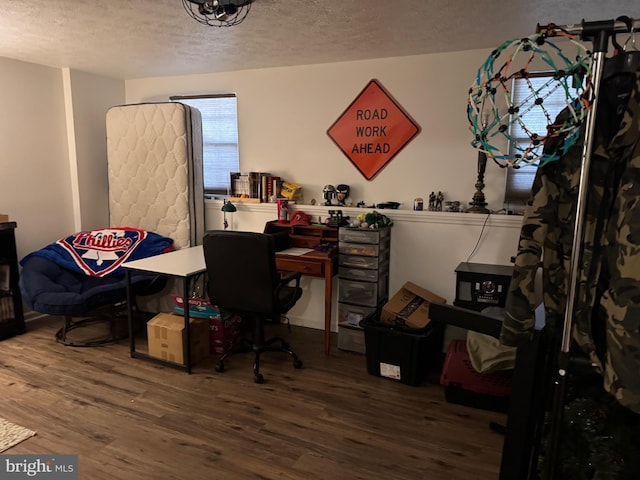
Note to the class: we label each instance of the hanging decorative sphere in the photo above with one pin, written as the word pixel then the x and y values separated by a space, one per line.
pixel 502 127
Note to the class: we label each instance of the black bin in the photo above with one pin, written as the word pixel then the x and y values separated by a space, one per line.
pixel 401 353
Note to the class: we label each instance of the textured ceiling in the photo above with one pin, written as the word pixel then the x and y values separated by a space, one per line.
pixel 145 38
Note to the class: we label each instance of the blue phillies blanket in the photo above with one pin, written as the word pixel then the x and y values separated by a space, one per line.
pixel 101 252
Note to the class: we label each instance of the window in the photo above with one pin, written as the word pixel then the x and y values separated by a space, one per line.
pixel 519 180
pixel 219 138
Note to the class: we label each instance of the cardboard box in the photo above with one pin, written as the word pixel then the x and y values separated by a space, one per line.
pixel 409 307
pixel 166 337
pixel 224 332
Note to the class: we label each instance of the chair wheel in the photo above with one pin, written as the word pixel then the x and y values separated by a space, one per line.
pixel 297 363
pixel 258 378
pixel 219 367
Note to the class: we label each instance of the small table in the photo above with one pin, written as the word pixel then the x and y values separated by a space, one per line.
pixel 186 264
pixel 315 264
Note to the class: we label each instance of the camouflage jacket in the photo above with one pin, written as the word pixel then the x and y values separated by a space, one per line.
pixel 606 312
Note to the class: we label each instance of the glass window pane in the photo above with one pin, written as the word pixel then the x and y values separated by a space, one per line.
pixel 534 120
pixel 219 138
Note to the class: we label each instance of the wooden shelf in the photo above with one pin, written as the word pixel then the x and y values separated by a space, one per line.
pixel 11 314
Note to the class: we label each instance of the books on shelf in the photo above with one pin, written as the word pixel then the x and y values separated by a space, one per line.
pixel 255 187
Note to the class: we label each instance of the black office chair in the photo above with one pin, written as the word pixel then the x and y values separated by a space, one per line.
pixel 243 279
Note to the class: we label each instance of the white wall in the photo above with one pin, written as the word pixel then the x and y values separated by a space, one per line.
pixel 53 178
pixel 35 188
pixel 284 113
pixel 283 116
pixel 89 97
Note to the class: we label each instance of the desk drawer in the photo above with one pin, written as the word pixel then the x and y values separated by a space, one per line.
pixel 308 268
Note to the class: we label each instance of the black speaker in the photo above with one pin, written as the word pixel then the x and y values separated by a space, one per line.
pixel 479 285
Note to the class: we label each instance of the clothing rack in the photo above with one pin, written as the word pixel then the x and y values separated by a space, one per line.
pixel 598 32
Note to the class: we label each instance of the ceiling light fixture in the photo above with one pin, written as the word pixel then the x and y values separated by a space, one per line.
pixel 218 13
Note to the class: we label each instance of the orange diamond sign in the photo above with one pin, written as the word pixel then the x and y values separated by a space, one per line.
pixel 373 129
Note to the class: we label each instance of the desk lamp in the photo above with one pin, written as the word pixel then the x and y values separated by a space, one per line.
pixel 227 207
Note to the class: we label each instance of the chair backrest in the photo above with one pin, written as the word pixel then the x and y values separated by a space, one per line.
pixel 241 270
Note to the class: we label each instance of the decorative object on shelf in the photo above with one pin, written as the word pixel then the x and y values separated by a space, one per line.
pixel 432 201
pixel 328 193
pixel 373 129
pixel 342 193
pixel 291 191
pixel 438 202
pixel 371 220
pixel 218 13
pixel 478 204
pixel 490 98
pixel 418 204
pixel 454 206
pixel 283 210
pixel 227 207
pixel 392 205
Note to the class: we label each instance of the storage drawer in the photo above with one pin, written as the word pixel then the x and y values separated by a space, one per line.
pixel 308 268
pixel 358 249
pixel 361 235
pixel 360 293
pixel 358 261
pixel 353 314
pixel 358 274
pixel 351 339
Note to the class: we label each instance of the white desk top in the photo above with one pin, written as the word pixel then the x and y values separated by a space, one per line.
pixel 179 263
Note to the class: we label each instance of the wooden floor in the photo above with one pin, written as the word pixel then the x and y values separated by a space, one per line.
pixel 132 419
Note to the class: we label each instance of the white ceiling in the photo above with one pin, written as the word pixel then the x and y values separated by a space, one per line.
pixel 144 38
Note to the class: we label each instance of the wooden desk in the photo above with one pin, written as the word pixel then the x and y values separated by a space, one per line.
pixel 315 264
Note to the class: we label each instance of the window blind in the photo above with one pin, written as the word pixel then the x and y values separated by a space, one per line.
pixel 219 138
pixel 536 119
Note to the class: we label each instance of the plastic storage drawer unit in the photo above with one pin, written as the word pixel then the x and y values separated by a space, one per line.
pixel 366 249
pixel 358 274
pixel 351 339
pixel 358 261
pixel 359 235
pixel 353 314
pixel 368 294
